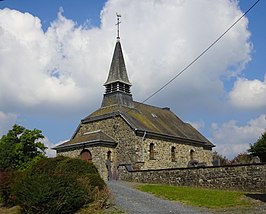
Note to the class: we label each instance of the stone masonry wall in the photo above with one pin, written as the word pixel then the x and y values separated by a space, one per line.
pixel 134 150
pixel 250 178
pixel 121 133
pixel 131 149
pixel 162 155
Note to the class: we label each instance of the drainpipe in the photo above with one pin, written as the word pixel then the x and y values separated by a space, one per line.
pixel 142 142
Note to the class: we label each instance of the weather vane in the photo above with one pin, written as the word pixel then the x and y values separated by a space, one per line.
pixel 118 23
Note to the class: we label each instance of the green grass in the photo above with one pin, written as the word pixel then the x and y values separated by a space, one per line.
pixel 197 196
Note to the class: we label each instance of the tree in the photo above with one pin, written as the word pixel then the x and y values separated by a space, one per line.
pixel 20 147
pixel 241 158
pixel 259 148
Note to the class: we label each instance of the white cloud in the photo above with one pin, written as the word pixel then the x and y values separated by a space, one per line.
pixel 49 151
pixel 231 139
pixel 62 70
pixel 199 125
pixel 249 94
pixel 7 120
pixel 27 64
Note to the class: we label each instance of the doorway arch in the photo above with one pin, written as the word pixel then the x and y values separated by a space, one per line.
pixel 86 155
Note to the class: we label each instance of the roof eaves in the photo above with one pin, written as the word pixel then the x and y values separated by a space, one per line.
pixel 118 80
pixel 174 138
pixel 86 143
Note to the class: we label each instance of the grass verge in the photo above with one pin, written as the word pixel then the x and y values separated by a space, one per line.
pixel 197 196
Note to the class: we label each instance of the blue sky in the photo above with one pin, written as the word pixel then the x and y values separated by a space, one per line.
pixel 55 56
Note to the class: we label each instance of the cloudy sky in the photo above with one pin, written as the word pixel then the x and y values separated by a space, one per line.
pixel 55 56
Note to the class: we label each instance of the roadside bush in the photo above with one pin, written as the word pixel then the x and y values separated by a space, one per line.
pixel 56 185
pixel 5 189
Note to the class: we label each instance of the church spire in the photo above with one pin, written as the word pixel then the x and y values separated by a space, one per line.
pixel 117 84
pixel 118 71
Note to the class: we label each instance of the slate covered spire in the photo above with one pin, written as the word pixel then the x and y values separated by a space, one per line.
pixel 117 86
pixel 118 72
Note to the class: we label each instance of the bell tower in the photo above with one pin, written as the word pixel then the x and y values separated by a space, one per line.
pixel 117 85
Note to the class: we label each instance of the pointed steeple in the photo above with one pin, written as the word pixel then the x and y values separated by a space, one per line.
pixel 117 84
pixel 118 71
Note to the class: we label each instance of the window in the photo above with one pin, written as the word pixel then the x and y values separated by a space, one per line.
pixel 109 153
pixel 191 153
pixel 173 154
pixel 151 151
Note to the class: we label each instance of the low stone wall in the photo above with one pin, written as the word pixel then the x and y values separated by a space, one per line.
pixel 250 178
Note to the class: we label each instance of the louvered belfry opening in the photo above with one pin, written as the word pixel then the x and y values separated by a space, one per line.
pixel 117 86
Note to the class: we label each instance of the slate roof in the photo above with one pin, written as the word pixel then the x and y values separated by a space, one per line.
pixel 89 139
pixel 117 72
pixel 156 122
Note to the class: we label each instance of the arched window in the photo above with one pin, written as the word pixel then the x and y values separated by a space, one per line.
pixel 152 151
pixel 191 153
pixel 86 155
pixel 109 155
pixel 173 154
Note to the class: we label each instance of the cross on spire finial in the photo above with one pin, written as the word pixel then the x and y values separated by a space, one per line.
pixel 118 23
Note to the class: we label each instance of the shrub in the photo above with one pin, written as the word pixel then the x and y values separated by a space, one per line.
pixel 56 185
pixel 48 194
pixel 5 189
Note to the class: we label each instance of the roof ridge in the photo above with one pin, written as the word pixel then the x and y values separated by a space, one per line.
pixel 160 108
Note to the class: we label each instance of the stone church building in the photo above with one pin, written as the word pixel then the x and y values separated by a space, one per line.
pixel 123 131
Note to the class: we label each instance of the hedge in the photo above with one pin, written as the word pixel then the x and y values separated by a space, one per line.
pixel 56 185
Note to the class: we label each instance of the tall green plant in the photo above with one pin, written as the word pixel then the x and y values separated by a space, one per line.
pixel 5 189
pixel 20 147
pixel 56 186
pixel 259 148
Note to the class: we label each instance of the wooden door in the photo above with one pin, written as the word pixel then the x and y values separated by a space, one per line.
pixel 86 155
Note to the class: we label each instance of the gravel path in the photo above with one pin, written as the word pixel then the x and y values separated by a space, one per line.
pixel 133 201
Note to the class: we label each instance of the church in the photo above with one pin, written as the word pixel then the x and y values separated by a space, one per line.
pixel 124 131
